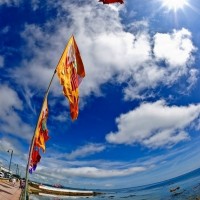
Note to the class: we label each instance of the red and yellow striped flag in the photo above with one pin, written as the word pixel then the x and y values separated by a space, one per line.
pixel 70 71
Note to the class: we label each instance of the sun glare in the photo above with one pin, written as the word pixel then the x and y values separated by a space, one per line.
pixel 174 4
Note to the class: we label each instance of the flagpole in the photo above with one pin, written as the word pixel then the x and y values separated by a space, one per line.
pixel 33 138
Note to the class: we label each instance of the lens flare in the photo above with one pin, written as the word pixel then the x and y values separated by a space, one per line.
pixel 174 4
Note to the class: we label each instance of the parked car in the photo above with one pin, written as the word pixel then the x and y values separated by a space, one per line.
pixel 1 174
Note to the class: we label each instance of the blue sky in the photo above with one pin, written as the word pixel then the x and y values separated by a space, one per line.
pixel 139 102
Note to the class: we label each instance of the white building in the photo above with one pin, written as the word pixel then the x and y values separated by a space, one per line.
pixel 3 169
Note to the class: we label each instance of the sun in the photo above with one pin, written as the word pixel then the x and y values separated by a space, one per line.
pixel 174 4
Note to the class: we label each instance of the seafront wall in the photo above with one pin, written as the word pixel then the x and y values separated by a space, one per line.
pixel 37 189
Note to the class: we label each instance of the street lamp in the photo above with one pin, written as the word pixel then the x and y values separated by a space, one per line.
pixel 10 151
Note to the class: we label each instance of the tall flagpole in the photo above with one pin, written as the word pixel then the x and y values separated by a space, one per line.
pixel 33 138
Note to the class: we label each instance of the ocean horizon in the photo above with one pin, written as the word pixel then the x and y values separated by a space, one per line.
pixel 186 186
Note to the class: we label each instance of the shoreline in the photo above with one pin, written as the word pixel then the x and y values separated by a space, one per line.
pixel 35 188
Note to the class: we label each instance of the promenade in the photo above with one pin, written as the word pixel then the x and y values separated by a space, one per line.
pixel 8 191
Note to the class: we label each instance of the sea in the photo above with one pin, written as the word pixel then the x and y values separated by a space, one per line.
pixel 184 187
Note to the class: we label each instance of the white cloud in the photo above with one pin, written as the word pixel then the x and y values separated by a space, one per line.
pixel 154 125
pixel 28 94
pixel 193 78
pixel 9 99
pixel 64 116
pixel 146 77
pixel 100 37
pixel 135 172
pixel 10 143
pixel 1 61
pixel 10 105
pixel 176 48
pixel 84 151
pixel 93 172
pixel 5 145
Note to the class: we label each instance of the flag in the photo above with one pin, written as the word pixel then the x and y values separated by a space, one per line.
pixel 41 134
pixel 111 1
pixel 70 71
pixel 35 159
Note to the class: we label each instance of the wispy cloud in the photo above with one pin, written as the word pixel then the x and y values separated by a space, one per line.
pixel 9 142
pixel 85 151
pixel 93 172
pixel 166 165
pixel 1 61
pixel 64 116
pixel 6 144
pixel 35 4
pixel 193 78
pixel 10 106
pixel 10 2
pixel 99 171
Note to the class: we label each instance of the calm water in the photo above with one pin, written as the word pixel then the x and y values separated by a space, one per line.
pixel 188 187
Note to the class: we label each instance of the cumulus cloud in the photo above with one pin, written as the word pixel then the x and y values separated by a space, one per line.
pixel 175 48
pixel 154 125
pixel 11 122
pixel 100 36
pixel 84 151
pixel 176 51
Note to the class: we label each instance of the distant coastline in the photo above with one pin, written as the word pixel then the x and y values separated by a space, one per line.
pixel 35 188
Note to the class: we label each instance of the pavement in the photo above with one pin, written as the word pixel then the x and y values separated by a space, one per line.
pixel 8 191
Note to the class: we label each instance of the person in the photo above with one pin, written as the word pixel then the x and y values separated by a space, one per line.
pixel 13 182
pixel 22 183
